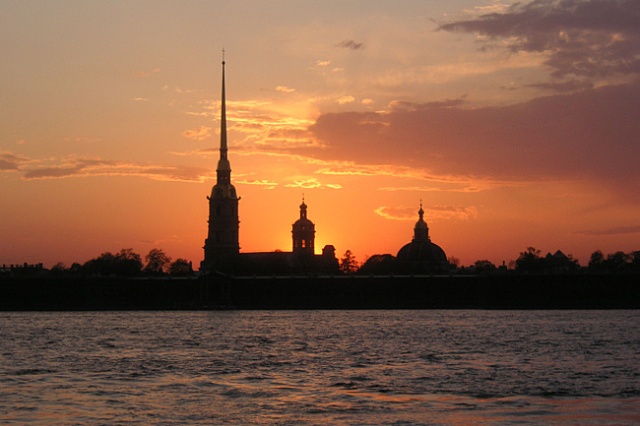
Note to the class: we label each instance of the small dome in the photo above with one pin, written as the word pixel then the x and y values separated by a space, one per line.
pixel 421 224
pixel 303 223
pixel 223 191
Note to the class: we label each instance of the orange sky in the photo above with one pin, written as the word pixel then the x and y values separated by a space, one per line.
pixel 515 124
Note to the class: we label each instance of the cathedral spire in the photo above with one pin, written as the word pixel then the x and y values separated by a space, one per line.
pixel 224 167
pixel 221 245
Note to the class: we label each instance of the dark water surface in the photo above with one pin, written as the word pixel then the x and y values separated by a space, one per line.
pixel 320 367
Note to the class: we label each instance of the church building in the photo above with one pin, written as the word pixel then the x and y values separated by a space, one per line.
pixel 422 255
pixel 222 243
pixel 222 248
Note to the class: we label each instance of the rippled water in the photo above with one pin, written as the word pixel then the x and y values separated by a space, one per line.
pixel 320 367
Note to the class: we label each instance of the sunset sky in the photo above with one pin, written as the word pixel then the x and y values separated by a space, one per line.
pixel 516 124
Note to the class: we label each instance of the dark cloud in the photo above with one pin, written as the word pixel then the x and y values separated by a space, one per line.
pixel 415 106
pixel 350 44
pixel 10 161
pixel 584 38
pixel 8 165
pixel 52 172
pixel 589 135
pixel 563 86
pixel 84 168
pixel 620 230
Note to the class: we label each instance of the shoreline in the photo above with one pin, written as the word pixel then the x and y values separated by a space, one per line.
pixel 86 293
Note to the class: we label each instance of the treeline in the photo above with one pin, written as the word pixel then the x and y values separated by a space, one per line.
pixel 532 260
pixel 529 261
pixel 128 263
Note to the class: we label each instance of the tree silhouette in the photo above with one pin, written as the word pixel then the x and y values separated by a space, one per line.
pixel 58 268
pixel 378 264
pixel 635 259
pixel 348 264
pixel 157 261
pixel 124 263
pixel 596 263
pixel 484 266
pixel 530 260
pixel 454 262
pixel 617 262
pixel 180 268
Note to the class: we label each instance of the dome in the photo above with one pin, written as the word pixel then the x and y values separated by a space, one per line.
pixel 421 255
pixel 302 224
pixel 423 251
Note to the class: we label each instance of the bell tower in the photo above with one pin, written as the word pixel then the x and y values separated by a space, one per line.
pixel 303 232
pixel 222 243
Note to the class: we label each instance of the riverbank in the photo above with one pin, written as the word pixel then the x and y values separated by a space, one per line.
pixel 322 292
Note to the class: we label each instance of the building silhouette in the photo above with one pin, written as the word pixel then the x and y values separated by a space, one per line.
pixel 222 248
pixel 222 243
pixel 304 233
pixel 421 254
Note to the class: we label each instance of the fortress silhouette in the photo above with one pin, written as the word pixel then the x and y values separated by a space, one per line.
pixel 418 277
pixel 222 248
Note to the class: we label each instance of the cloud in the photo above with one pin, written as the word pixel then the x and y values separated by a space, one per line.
pixel 263 182
pixel 310 183
pixel 347 99
pixel 284 89
pixel 198 134
pixel 620 230
pixel 73 167
pixel 323 63
pixel 83 139
pixel 144 74
pixel 12 162
pixel 177 89
pixel 415 106
pixel 589 135
pixel 434 212
pixel 350 44
pixel 587 39
pixel 567 86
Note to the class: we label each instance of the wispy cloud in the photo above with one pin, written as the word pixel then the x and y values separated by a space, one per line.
pixel 311 183
pixel 198 134
pixel 12 162
pixel 433 212
pixel 144 74
pixel 346 99
pixel 177 89
pixel 417 106
pixel 74 167
pixel 284 89
pixel 350 44
pixel 262 182
pixel 619 230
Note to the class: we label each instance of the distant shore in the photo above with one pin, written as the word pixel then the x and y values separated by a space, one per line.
pixel 592 291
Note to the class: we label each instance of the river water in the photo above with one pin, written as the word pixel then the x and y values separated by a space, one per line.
pixel 320 367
